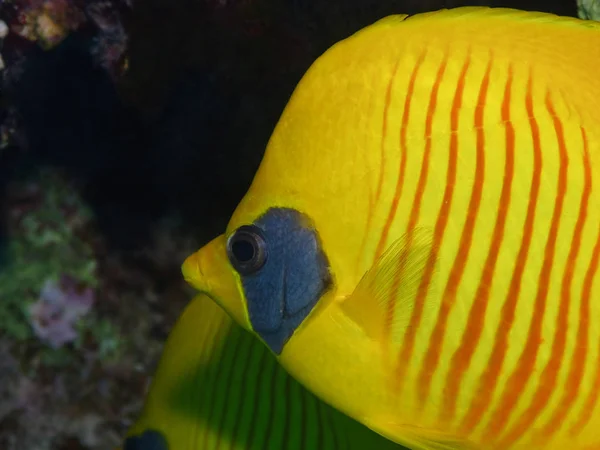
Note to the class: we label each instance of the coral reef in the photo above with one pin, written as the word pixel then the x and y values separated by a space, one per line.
pixel 46 230
pixel 81 325
pixel 588 9
pixel 28 26
pixel 47 23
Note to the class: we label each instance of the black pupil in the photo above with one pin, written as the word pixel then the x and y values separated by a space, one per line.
pixel 243 250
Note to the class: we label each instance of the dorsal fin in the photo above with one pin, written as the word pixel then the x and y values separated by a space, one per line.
pixel 485 12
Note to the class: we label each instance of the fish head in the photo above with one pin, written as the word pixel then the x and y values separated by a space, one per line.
pixel 298 237
pixel 268 274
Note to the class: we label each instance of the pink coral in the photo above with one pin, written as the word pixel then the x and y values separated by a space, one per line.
pixel 58 309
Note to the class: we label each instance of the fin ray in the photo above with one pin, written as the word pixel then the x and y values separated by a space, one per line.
pixel 384 299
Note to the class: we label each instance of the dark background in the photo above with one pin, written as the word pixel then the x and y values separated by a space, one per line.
pixel 184 130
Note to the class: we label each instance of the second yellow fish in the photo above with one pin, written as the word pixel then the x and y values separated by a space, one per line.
pixel 420 245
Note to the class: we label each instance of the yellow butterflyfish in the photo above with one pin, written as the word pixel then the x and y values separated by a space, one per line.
pixel 218 388
pixel 420 244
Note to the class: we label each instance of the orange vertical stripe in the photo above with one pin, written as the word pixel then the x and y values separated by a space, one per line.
pixel 398 193
pixel 432 355
pixel 384 126
pixel 438 235
pixel 592 400
pixel 462 357
pixel 588 282
pixel 573 383
pixel 547 382
pixel 489 379
pixel 384 130
pixel 520 376
pixel 403 154
pixel 409 335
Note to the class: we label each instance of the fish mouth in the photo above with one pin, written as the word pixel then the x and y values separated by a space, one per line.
pixel 208 270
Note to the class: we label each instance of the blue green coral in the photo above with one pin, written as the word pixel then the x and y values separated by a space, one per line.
pixel 45 215
pixel 588 9
pixel 48 287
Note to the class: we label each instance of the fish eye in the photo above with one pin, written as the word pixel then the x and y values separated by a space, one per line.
pixel 247 249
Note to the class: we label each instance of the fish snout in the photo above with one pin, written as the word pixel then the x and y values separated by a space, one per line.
pixel 192 271
pixel 209 271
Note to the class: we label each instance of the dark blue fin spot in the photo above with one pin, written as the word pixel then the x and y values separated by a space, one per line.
pixel 148 440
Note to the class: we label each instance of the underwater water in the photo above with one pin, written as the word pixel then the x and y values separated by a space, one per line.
pixel 109 179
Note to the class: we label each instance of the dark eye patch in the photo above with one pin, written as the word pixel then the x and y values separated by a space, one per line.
pixel 292 276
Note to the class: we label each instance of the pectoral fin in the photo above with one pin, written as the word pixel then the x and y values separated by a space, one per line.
pixel 383 302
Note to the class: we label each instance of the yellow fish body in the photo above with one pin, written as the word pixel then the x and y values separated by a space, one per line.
pixel 420 244
pixel 218 388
